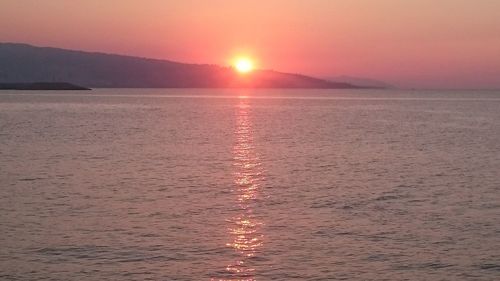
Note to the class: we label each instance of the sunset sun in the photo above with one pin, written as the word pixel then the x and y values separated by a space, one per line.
pixel 244 65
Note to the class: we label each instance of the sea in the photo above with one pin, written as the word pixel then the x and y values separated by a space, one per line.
pixel 244 185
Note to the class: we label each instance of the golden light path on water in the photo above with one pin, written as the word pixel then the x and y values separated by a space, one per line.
pixel 245 227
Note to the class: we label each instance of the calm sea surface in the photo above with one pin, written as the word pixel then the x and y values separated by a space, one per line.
pixel 249 185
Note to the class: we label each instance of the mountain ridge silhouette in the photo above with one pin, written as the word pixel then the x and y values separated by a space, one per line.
pixel 23 63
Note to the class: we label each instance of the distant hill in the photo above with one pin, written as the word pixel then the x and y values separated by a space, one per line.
pixel 361 82
pixel 21 63
pixel 41 86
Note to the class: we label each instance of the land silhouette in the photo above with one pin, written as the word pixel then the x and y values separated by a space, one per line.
pixel 22 63
pixel 41 86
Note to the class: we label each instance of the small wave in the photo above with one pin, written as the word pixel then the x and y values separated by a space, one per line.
pixel 428 265
pixel 31 179
pixel 490 266
pixel 386 197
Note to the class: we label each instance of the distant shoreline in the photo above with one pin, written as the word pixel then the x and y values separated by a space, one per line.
pixel 100 70
pixel 40 86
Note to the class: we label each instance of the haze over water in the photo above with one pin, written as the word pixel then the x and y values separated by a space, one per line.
pixel 250 185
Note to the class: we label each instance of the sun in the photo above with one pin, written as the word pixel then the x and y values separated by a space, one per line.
pixel 243 65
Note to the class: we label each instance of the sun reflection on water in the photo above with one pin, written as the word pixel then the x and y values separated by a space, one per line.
pixel 245 227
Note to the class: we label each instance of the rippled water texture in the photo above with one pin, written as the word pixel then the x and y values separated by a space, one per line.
pixel 249 185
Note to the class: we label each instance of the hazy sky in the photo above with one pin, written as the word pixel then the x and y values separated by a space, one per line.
pixel 411 43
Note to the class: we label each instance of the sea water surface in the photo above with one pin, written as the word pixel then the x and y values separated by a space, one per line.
pixel 123 184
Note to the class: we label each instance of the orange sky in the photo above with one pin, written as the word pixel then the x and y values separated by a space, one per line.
pixel 410 43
